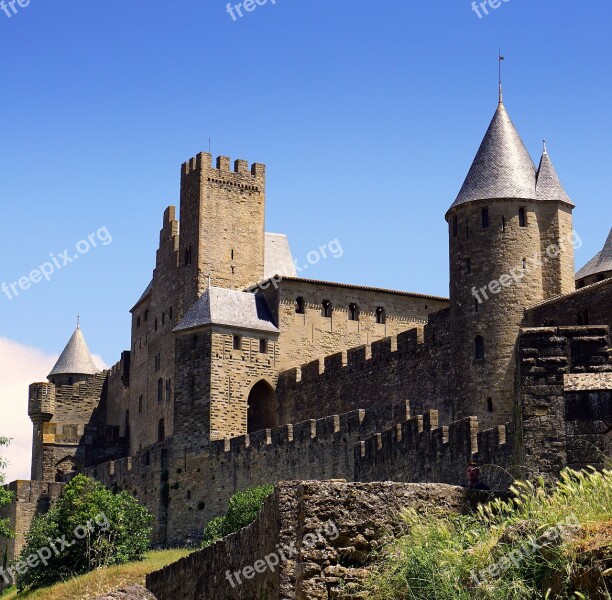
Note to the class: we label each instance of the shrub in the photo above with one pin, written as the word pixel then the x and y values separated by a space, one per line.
pixel 242 510
pixel 100 528
pixel 5 498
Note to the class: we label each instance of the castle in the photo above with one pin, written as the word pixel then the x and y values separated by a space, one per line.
pixel 241 373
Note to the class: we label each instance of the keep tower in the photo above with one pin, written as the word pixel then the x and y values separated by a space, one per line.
pixel 221 225
pixel 510 240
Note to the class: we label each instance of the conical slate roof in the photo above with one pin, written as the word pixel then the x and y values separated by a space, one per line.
pixel 232 308
pixel 76 358
pixel 548 186
pixel 503 168
pixel 600 263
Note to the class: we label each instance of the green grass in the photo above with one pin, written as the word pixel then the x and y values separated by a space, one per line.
pixel 102 581
pixel 439 555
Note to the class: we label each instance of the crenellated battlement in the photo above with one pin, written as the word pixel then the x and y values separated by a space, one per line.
pixel 298 433
pixel 359 358
pixel 222 171
pixel 420 449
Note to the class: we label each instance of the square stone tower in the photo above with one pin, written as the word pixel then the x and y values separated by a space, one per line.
pixel 222 225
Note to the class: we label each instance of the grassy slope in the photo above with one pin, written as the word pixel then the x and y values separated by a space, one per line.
pixel 104 580
pixel 435 560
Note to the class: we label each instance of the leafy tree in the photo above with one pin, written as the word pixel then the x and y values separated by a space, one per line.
pixel 97 529
pixel 5 496
pixel 242 510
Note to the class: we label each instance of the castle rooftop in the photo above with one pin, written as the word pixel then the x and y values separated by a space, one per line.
pixel 600 263
pixel 76 358
pixel 267 282
pixel 503 168
pixel 230 308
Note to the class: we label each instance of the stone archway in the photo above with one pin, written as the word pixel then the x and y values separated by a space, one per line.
pixel 262 407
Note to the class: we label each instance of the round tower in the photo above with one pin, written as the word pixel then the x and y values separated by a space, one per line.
pixel 510 240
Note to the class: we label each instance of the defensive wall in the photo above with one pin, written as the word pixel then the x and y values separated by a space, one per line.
pixel 321 532
pixel 411 367
pixel 585 306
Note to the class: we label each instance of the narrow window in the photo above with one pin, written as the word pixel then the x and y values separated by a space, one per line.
pixel 504 224
pixel 237 342
pixel 300 305
pixel 155 324
pixel 188 256
pixel 170 314
pixel 522 217
pixel 146 315
pixel 138 322
pixel 163 318
pixel 583 317
pixel 479 351
pixel 194 342
pixel 353 312
pixel 485 218
pixel 455 226
pixel 468 265
pixel 160 389
pixel 490 404
pixel 381 317
pixel 232 254
pixel 263 346
pixel 140 403
pixel 168 390
pixel 326 308
pixel 476 305
pixel 524 263
pixel 161 430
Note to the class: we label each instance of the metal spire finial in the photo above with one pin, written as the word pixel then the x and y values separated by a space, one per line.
pixel 545 149
pixel 78 321
pixel 500 58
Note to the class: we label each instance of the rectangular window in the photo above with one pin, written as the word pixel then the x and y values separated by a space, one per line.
pixel 381 317
pixel 485 218
pixel 263 346
pixel 522 217
pixel 237 342
pixel 468 265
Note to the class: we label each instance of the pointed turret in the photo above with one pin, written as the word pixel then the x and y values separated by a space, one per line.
pixel 502 167
pixel 75 362
pixel 548 185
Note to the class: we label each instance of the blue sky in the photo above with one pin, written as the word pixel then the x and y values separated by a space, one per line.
pixel 367 115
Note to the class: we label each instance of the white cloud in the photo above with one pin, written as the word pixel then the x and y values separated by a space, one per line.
pixel 21 365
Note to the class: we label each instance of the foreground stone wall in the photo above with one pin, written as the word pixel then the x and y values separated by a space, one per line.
pixel 325 531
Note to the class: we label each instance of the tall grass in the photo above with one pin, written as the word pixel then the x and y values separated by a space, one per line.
pixel 531 546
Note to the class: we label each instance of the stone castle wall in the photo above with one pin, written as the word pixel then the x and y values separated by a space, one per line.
pixel 564 408
pixel 590 305
pixel 346 522
pixel 411 367
pixel 30 498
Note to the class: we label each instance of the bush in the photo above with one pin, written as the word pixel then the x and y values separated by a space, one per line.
pixel 242 510
pixel 100 528
pixel 444 557
pixel 5 496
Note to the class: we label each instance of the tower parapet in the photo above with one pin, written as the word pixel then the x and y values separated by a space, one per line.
pixel 41 401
